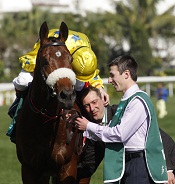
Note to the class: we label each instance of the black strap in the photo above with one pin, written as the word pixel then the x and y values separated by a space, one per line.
pixel 77 49
pixel 53 44
pixel 131 155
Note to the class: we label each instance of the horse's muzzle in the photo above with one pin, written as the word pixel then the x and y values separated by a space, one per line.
pixel 66 99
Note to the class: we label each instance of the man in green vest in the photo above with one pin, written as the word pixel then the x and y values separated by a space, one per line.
pixel 94 150
pixel 133 151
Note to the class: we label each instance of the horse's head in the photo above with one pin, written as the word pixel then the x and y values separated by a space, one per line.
pixel 54 62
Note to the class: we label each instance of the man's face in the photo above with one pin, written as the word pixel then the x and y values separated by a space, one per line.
pixel 117 79
pixel 93 104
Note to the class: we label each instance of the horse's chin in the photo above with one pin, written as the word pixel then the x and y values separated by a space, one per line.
pixel 66 105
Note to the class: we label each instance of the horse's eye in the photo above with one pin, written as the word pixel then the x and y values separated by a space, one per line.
pixel 58 53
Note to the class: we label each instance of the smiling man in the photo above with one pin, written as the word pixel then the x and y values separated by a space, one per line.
pixel 97 112
pixel 133 151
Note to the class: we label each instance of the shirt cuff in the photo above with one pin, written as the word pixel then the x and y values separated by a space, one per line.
pixel 91 127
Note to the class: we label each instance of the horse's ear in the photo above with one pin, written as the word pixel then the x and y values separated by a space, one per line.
pixel 44 31
pixel 63 32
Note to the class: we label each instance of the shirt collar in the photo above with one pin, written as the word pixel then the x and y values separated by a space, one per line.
pixel 104 120
pixel 129 92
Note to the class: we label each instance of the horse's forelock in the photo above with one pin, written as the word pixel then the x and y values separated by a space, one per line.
pixel 59 74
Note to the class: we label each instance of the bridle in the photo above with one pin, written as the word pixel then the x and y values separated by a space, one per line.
pixel 50 90
pixel 78 147
pixel 42 73
pixel 53 44
pixel 62 113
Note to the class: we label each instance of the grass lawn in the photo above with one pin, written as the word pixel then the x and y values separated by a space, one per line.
pixel 10 167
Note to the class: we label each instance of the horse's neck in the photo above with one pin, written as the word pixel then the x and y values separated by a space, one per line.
pixel 39 91
pixel 38 86
pixel 42 100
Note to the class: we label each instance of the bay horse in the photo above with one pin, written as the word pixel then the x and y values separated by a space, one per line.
pixel 46 142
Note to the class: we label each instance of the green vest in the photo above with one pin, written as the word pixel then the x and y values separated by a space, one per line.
pixel 114 163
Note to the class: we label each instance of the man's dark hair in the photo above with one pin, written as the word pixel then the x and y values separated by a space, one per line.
pixel 86 91
pixel 125 62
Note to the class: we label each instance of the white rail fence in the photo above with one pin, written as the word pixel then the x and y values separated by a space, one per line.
pixel 7 91
pixel 169 80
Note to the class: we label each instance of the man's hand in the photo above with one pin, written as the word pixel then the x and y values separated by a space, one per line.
pixel 171 178
pixel 81 123
pixel 105 96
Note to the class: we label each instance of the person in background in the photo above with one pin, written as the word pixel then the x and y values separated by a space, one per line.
pixel 133 147
pixel 94 152
pixel 162 95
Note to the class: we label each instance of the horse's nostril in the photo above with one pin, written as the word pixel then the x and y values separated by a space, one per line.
pixel 63 95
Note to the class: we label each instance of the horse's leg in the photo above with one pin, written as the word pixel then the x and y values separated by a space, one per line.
pixel 31 177
pixel 28 175
pixel 44 179
pixel 84 181
pixel 54 180
pixel 68 172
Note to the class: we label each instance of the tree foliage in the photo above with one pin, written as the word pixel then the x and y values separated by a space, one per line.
pixel 140 22
pixel 135 23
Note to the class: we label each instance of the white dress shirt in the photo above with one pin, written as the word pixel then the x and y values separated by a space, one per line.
pixel 133 127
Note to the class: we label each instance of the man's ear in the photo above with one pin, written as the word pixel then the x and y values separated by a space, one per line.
pixel 127 74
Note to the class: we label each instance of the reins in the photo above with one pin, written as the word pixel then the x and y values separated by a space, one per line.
pixel 69 121
pixel 62 113
pixel 78 146
pixel 41 111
